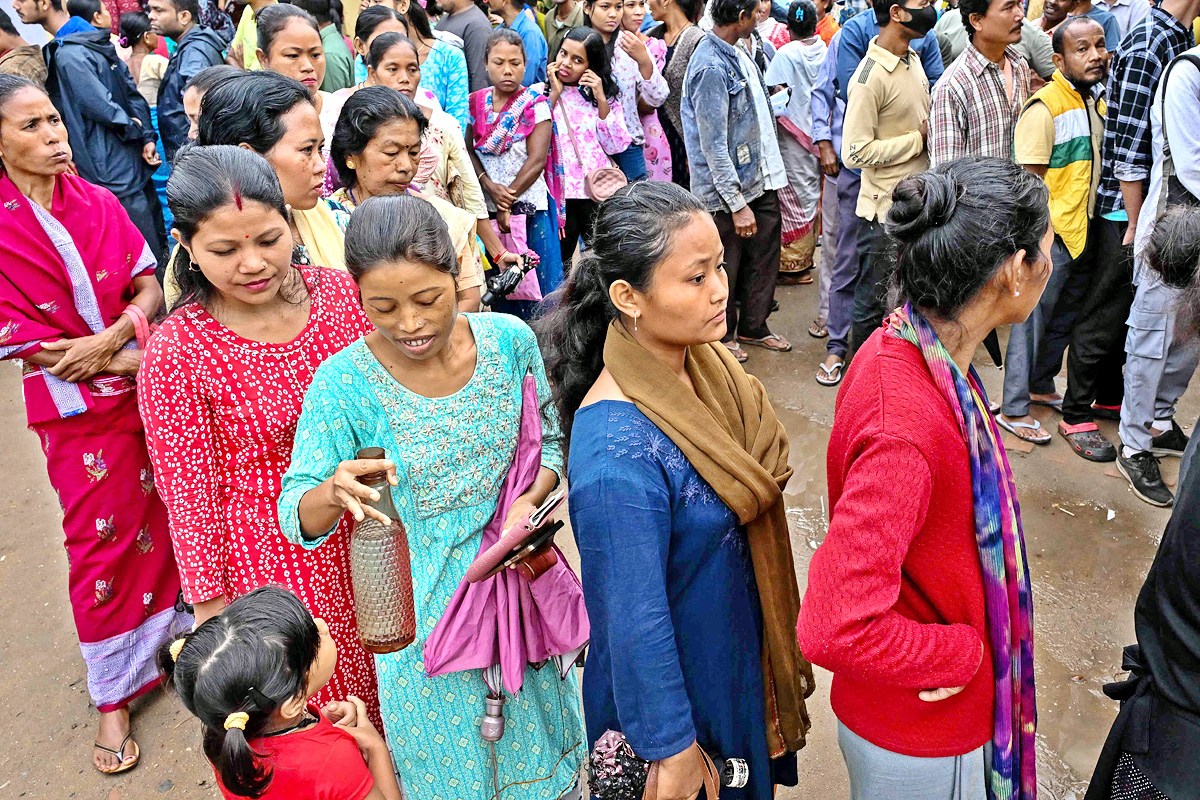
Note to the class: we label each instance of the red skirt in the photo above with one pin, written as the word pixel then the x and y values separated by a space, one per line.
pixel 122 578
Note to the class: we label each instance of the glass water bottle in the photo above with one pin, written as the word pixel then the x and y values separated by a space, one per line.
pixel 380 570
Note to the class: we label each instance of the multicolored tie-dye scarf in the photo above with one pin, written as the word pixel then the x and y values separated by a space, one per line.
pixel 1009 602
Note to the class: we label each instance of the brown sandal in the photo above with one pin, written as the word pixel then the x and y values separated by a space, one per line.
pixel 798 278
pixel 772 341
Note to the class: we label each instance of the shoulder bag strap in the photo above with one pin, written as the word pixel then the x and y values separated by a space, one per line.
pixel 712 781
pixel 570 129
pixel 1168 162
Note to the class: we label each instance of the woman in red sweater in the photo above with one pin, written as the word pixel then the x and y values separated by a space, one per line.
pixel 918 601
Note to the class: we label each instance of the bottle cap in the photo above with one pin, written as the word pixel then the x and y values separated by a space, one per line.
pixel 372 454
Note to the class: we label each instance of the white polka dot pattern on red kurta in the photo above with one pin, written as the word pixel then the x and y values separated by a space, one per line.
pixel 220 414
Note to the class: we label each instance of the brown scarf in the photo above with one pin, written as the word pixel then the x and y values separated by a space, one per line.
pixel 728 430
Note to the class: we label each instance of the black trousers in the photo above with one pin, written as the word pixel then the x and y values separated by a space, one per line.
pixel 871 287
pixel 752 266
pixel 580 216
pixel 145 211
pixel 1090 317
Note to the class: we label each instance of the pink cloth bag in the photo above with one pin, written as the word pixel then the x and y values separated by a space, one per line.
pixel 506 619
pixel 517 241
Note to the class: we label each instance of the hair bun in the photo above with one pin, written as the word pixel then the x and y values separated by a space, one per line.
pixel 921 203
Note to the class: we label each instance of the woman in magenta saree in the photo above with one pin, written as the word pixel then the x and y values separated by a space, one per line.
pixel 77 287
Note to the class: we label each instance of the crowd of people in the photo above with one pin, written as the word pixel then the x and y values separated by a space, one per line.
pixel 237 254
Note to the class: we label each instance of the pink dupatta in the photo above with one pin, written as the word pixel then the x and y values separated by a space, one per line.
pixel 64 273
pixel 514 122
pixel 506 619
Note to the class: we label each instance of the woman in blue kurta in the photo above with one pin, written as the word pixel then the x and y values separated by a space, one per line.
pixel 441 392
pixel 674 610
pixel 676 468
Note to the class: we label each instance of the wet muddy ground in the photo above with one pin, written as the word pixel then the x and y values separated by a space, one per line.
pixel 1090 543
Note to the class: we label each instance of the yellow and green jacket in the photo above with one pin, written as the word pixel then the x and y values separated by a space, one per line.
pixel 1073 172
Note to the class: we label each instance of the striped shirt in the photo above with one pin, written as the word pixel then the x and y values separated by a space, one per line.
pixel 1133 79
pixel 972 113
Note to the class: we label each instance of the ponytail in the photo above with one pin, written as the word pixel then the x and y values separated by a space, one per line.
pixel 228 748
pixel 235 670
pixel 633 232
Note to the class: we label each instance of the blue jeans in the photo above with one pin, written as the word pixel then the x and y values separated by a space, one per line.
pixel 632 162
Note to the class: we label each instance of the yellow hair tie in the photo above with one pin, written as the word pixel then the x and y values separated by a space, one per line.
pixel 176 648
pixel 237 719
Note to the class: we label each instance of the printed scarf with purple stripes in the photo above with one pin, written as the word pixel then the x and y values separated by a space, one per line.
pixel 1008 598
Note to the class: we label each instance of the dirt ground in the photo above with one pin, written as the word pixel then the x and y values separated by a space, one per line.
pixel 1089 539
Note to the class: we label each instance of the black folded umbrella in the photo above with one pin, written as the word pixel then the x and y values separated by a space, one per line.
pixel 992 344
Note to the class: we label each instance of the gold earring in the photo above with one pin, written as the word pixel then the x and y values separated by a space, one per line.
pixel 350 164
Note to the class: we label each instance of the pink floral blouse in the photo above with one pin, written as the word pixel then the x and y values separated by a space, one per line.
pixel 597 138
pixel 653 90
pixel 655 147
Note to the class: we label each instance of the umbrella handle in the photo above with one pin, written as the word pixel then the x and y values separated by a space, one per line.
pixel 492 726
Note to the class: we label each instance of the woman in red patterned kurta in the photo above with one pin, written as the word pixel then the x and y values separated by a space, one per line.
pixel 220 394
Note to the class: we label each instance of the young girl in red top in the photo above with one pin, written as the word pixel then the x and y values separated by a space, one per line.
pixel 249 674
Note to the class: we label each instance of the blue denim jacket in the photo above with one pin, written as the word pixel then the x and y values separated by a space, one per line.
pixel 721 129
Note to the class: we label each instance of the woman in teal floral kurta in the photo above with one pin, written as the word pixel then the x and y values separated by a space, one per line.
pixel 452 454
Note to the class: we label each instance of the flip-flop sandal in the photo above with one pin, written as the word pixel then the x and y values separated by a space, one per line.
pixel 817 329
pixel 741 355
pixel 1013 427
pixel 1088 442
pixel 127 762
pixel 1055 404
pixel 832 375
pixel 768 343
pixel 797 278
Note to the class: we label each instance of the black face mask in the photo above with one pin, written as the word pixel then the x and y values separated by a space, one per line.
pixel 923 19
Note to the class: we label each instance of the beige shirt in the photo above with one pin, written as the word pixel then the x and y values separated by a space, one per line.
pixel 888 99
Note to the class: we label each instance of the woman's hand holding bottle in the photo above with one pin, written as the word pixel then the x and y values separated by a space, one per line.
pixel 322 506
pixel 347 493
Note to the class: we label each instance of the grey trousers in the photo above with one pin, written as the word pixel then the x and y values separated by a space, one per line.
pixel 878 774
pixel 1157 367
pixel 844 277
pixel 829 237
pixel 1024 338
